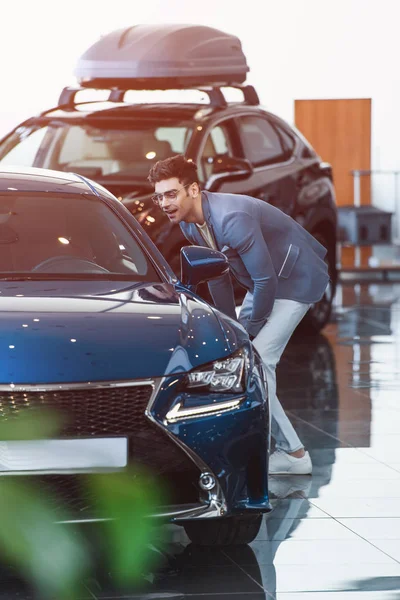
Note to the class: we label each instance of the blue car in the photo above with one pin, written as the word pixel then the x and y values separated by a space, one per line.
pixel 95 324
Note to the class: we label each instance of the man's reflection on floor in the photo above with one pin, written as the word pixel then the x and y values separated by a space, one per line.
pixel 306 375
pixel 308 389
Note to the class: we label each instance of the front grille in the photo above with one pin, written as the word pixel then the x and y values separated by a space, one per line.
pixel 109 411
pixel 86 412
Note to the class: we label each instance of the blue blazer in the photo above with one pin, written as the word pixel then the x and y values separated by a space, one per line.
pixel 269 254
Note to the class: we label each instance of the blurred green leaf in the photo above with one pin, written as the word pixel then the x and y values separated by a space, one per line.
pixel 130 497
pixel 51 556
pixel 29 424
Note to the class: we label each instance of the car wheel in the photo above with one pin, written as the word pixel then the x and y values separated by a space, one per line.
pixel 319 314
pixel 229 531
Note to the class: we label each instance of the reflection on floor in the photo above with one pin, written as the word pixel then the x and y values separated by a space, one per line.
pixel 335 536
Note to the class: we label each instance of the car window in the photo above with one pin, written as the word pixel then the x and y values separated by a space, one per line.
pixel 218 144
pixel 177 137
pixel 262 142
pixel 73 145
pixel 112 151
pixel 23 146
pixel 220 140
pixel 99 149
pixel 287 140
pixel 68 234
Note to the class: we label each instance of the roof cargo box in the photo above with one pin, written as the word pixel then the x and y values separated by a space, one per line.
pixel 163 57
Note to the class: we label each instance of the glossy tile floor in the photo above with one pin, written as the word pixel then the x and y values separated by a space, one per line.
pixel 335 536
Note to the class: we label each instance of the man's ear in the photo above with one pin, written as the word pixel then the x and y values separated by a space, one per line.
pixel 195 189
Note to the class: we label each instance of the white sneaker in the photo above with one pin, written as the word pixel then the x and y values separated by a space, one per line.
pixel 281 463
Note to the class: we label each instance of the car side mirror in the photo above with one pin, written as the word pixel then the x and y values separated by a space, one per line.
pixel 226 169
pixel 199 264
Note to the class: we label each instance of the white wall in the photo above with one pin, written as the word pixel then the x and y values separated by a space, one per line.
pixel 296 49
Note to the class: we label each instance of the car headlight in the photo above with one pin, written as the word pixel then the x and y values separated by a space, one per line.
pixel 214 388
pixel 226 375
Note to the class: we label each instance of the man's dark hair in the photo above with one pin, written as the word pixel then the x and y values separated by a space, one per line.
pixel 176 166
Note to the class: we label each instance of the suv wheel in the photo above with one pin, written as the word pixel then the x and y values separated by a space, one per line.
pixel 229 531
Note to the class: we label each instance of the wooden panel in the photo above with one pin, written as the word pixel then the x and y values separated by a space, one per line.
pixel 340 131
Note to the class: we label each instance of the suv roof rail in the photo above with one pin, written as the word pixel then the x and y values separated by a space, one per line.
pixel 67 96
pixel 215 94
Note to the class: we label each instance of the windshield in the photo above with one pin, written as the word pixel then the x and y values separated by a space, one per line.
pixel 102 149
pixel 68 236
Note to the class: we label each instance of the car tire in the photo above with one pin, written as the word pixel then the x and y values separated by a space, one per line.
pixel 319 314
pixel 229 531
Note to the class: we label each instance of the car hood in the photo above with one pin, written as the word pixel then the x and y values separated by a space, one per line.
pixel 54 332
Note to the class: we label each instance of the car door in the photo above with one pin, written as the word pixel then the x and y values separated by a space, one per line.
pixel 218 151
pixel 269 149
pixel 220 147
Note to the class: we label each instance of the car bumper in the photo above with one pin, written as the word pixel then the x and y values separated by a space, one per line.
pixel 229 449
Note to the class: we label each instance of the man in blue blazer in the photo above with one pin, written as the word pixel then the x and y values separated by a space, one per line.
pixel 276 260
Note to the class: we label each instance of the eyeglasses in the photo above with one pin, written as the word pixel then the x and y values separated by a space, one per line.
pixel 170 195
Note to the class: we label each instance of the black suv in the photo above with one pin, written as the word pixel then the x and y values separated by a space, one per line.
pixel 238 146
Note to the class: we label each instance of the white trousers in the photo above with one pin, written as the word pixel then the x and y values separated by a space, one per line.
pixel 270 343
